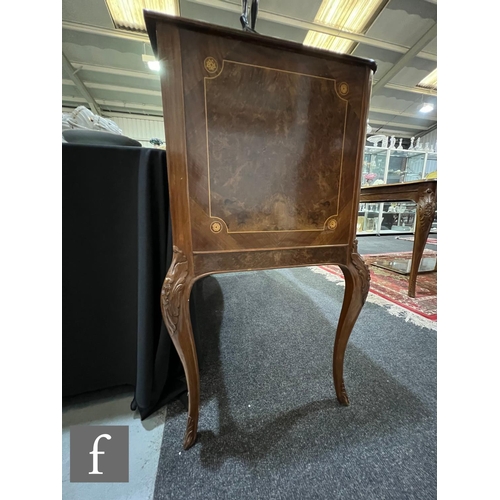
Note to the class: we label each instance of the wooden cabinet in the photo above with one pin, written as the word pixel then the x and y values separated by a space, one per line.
pixel 265 143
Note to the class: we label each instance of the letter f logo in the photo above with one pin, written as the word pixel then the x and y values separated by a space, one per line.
pixel 95 452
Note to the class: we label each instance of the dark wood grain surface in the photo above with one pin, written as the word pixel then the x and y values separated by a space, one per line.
pixel 271 155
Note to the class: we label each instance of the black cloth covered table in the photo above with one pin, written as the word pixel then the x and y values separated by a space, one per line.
pixel 116 251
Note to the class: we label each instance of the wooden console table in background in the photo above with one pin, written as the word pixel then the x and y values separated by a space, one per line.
pixel 265 142
pixel 424 194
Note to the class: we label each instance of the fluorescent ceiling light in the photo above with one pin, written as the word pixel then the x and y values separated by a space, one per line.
pixel 128 14
pixel 151 62
pixel 430 81
pixel 354 16
pixel 426 107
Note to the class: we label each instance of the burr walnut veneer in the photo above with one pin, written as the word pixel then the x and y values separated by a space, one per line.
pixel 265 141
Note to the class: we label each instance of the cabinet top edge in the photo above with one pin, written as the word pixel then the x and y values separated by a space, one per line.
pixel 151 19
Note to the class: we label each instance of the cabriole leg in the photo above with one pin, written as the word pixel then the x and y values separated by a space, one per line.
pixel 175 310
pixel 357 284
pixel 426 209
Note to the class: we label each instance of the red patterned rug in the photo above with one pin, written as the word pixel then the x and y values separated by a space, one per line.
pixel 394 287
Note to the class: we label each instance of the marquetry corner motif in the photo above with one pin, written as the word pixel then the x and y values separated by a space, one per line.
pixel 173 289
pixel 343 89
pixel 426 206
pixel 218 225
pixel 362 270
pixel 331 224
pixel 211 65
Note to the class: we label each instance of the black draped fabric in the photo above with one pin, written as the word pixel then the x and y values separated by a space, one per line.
pixel 116 251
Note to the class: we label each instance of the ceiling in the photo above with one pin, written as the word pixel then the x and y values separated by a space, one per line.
pixel 103 66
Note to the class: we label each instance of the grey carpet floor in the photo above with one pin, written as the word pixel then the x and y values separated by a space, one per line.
pixel 270 425
pixel 387 243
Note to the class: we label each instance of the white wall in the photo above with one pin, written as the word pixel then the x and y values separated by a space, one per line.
pixel 140 128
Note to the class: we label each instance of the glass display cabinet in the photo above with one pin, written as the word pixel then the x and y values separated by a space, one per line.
pixel 382 165
pixel 374 165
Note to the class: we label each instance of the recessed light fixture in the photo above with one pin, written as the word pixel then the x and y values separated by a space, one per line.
pixel 151 62
pixel 427 107
pixel 430 81
pixel 154 65
pixel 353 16
pixel 127 14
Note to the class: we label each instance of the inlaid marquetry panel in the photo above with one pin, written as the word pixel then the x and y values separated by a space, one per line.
pixel 275 143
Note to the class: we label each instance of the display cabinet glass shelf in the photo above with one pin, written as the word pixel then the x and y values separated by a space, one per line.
pixel 374 164
pixel 390 166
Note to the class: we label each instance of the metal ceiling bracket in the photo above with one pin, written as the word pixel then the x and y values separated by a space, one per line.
pixel 70 70
pixel 428 36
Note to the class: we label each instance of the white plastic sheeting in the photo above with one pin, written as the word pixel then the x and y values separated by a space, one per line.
pixel 83 118
pixel 138 127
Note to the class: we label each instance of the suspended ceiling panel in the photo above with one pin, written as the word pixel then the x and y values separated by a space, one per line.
pixel 403 21
pixel 90 12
